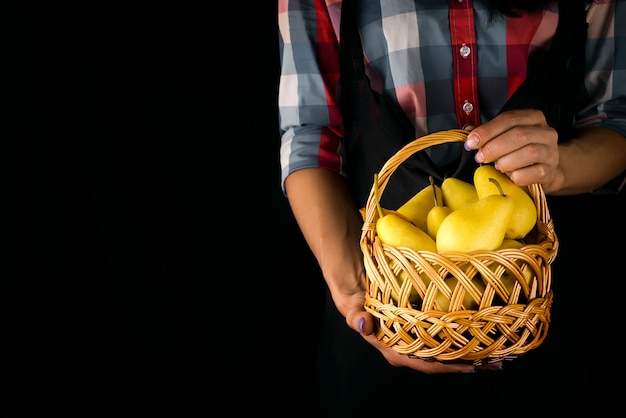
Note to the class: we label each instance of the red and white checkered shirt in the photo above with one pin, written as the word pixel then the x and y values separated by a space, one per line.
pixel 446 64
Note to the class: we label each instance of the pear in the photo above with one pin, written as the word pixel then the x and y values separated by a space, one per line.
pixel 414 297
pixel 458 193
pixel 477 226
pixel 511 243
pixel 417 207
pixel 393 230
pixel 436 215
pixel 385 211
pixel 524 215
pixel 508 279
pixel 468 303
pixel 401 277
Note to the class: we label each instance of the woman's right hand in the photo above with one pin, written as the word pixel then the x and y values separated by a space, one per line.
pixel 332 226
pixel 364 323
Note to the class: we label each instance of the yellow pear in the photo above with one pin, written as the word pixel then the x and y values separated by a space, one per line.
pixel 398 232
pixel 401 277
pixel 414 297
pixel 511 243
pixel 457 193
pixel 478 226
pixel 524 215
pixel 386 211
pixel 508 279
pixel 417 207
pixel 468 303
pixel 435 216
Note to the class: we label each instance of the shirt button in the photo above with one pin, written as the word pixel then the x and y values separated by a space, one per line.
pixel 468 107
pixel 465 51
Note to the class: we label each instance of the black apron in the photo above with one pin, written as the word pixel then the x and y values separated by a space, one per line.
pixel 352 377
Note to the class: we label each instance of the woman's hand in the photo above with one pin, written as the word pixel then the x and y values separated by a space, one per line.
pixel 332 227
pixel 521 144
pixel 363 322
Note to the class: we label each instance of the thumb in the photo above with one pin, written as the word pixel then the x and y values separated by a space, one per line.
pixel 360 320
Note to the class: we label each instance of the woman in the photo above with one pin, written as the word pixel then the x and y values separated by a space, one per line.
pixel 432 66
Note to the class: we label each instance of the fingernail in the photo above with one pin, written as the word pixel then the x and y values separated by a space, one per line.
pixel 469 371
pixel 471 142
pixel 467 125
pixel 361 322
pixel 479 157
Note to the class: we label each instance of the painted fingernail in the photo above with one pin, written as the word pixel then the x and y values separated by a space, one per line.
pixel 471 142
pixel 469 371
pixel 361 322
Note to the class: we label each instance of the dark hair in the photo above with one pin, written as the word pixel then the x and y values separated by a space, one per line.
pixel 508 7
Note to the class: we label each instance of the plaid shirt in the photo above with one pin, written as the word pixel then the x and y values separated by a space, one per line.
pixel 446 65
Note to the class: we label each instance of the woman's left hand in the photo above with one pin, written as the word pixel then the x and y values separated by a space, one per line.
pixel 521 144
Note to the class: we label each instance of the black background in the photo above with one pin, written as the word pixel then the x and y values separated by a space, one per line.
pixel 151 264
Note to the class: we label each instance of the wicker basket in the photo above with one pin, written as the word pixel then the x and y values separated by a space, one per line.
pixel 508 322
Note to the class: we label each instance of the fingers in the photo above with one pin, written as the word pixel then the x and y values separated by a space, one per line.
pixel 536 173
pixel 364 323
pixel 492 366
pixel 518 147
pixel 436 367
pixel 519 143
pixel 503 123
pixel 429 367
pixel 433 367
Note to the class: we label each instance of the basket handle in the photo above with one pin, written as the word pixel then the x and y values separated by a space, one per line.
pixel 421 143
pixel 418 144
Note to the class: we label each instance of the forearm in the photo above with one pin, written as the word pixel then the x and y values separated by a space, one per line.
pixel 588 161
pixel 331 225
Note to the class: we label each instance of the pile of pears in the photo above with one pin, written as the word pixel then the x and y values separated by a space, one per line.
pixel 461 216
pixel 489 214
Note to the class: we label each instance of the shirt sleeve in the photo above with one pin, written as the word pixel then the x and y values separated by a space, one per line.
pixel 605 80
pixel 309 117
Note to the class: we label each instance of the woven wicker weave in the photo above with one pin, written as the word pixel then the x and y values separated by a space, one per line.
pixel 505 324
